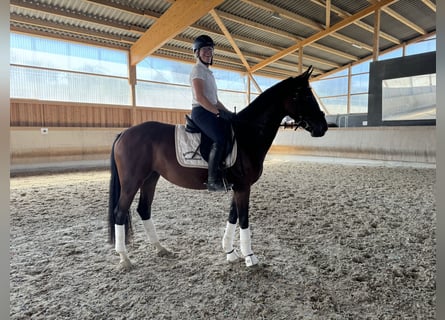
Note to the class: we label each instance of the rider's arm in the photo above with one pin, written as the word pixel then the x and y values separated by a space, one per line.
pixel 198 87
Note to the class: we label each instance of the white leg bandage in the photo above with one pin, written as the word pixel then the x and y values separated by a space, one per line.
pixel 119 232
pixel 245 242
pixel 150 231
pixel 229 235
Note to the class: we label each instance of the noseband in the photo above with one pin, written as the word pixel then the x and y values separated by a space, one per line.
pixel 300 122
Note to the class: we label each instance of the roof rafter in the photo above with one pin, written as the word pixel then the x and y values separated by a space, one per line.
pixel 247 40
pixel 400 18
pixel 343 14
pixel 69 28
pixel 302 20
pixel 126 8
pixel 246 37
pixel 75 15
pixel 230 39
pixel 321 34
pixel 278 32
pixel 154 16
pixel 179 16
pixel 284 13
pixel 267 45
pixel 430 5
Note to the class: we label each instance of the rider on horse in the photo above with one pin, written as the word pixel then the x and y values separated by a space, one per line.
pixel 208 112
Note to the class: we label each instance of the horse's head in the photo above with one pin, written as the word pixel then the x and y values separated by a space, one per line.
pixel 302 106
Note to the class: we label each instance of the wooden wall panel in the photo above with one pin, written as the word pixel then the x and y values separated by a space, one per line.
pixel 172 116
pixel 26 114
pixel 32 113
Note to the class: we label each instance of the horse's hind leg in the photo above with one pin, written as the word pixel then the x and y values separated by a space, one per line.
pixel 147 192
pixel 122 218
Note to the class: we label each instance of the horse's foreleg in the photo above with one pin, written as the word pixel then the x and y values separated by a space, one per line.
pixel 229 235
pixel 246 247
pixel 242 203
pixel 152 236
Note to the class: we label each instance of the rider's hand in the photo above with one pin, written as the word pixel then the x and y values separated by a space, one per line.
pixel 226 115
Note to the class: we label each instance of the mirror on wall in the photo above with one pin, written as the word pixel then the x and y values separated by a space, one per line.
pixel 409 98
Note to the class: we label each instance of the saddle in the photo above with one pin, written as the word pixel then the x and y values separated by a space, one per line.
pixel 193 146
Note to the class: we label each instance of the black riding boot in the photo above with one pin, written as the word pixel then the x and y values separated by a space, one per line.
pixel 215 182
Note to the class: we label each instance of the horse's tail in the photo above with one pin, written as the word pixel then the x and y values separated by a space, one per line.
pixel 113 200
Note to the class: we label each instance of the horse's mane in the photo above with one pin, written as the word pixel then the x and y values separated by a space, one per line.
pixel 257 124
pixel 266 98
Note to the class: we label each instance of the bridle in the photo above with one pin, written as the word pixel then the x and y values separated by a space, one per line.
pixel 300 122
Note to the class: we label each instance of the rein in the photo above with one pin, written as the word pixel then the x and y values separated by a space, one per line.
pixel 297 124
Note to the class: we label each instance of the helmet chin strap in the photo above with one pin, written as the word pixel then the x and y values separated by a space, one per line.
pixel 206 63
pixel 203 62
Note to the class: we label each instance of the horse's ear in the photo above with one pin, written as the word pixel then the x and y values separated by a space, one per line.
pixel 308 72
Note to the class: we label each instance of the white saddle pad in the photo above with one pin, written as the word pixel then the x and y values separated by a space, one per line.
pixel 187 149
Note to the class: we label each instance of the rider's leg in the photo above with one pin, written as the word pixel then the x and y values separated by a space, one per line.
pixel 214 181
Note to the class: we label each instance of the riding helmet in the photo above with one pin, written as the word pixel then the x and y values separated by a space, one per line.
pixel 202 41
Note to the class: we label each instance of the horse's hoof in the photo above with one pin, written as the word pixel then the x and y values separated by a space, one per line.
pixel 251 260
pixel 164 253
pixel 125 265
pixel 233 256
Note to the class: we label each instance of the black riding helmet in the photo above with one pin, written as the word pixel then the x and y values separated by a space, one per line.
pixel 202 41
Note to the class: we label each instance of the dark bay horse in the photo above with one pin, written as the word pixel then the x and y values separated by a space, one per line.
pixel 143 153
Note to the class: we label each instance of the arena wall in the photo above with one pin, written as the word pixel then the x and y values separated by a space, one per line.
pixel 408 143
pixel 53 148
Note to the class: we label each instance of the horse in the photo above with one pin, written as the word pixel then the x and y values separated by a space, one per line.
pixel 144 152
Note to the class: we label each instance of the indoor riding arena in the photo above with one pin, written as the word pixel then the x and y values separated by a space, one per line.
pixel 342 222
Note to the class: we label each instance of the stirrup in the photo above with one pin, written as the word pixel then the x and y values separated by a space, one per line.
pixel 221 185
pixel 216 186
pixel 227 185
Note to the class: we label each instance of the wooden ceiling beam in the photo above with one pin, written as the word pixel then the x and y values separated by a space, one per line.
pixel 71 38
pixel 230 39
pixel 270 46
pixel 345 22
pixel 304 21
pixel 75 15
pixel 256 25
pixel 124 7
pixel 73 29
pixel 180 15
pixel 332 51
pixel 284 13
pixel 235 47
pixel 140 30
pixel 328 13
pixel 401 18
pixel 343 14
pixel 287 35
pixel 351 41
pixel 430 4
pixel 258 3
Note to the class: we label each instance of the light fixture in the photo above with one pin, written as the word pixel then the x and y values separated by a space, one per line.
pixel 276 15
pixel 355 45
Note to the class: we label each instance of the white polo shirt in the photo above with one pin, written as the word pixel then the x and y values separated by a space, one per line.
pixel 200 71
